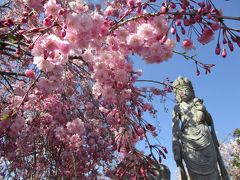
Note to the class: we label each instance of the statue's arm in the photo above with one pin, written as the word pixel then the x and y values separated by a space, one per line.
pixel 209 121
pixel 176 145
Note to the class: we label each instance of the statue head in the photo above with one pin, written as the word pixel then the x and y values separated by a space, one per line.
pixel 183 89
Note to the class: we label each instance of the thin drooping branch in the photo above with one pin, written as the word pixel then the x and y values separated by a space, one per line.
pixel 9 84
pixel 26 94
pixel 6 43
pixel 142 16
pixel 227 17
pixel 11 73
pixel 157 82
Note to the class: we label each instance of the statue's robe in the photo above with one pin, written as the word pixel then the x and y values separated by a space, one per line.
pixel 193 137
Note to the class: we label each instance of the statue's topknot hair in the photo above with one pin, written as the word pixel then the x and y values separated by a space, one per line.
pixel 181 82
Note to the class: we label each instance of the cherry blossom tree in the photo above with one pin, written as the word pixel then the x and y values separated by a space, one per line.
pixel 69 102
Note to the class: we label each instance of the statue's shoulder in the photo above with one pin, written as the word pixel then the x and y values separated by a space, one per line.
pixel 198 100
pixel 198 103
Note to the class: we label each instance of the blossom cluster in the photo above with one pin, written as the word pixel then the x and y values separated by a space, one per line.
pixel 77 106
pixel 147 39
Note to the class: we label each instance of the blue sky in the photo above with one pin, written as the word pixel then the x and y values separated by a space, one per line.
pixel 220 89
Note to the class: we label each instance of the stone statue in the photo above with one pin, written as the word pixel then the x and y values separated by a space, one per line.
pixel 194 139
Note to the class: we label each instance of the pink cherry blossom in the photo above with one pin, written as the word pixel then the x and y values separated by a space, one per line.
pixel 109 11
pixel 85 23
pixel 78 6
pixel 64 47
pixel 43 64
pixel 146 31
pixel 36 5
pixel 76 126
pixel 121 34
pixel 30 73
pixel 109 93
pixel 215 26
pixel 72 21
pixel 187 44
pixel 52 8
pixel 135 40
pixel 18 125
pixel 206 36
pixel 160 24
pixel 60 133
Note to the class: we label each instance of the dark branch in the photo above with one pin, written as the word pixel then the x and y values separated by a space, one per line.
pixel 11 74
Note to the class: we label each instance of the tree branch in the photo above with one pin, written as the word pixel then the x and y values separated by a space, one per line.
pixel 114 27
pixel 11 74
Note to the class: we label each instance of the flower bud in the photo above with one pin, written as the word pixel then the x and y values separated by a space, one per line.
pixel 224 41
pixel 173 30
pixel 140 131
pixel 164 149
pixel 24 20
pixel 61 12
pixel 201 4
pixel 30 46
pixel 187 44
pixel 63 33
pixel 139 3
pixel 198 18
pixel 186 22
pixel 198 72
pixel 177 38
pixel 218 50
pixel 130 3
pixel 142 171
pixel 215 26
pixel 20 32
pixel 183 30
pixel 192 20
pixel 18 51
pixel 164 38
pixel 30 73
pixel 47 21
pixel 119 121
pixel 25 13
pixel 163 9
pixel 173 5
pixel 209 16
pixel 45 54
pixel 178 22
pixel 230 45
pixel 224 53
pixel 209 6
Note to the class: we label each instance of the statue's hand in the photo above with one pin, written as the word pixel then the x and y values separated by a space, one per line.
pixel 179 163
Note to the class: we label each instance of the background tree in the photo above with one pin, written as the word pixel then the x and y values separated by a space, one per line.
pixel 231 154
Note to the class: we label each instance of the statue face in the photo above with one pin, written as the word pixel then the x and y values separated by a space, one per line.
pixel 185 93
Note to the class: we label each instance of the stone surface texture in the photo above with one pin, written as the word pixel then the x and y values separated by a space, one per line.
pixel 195 145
